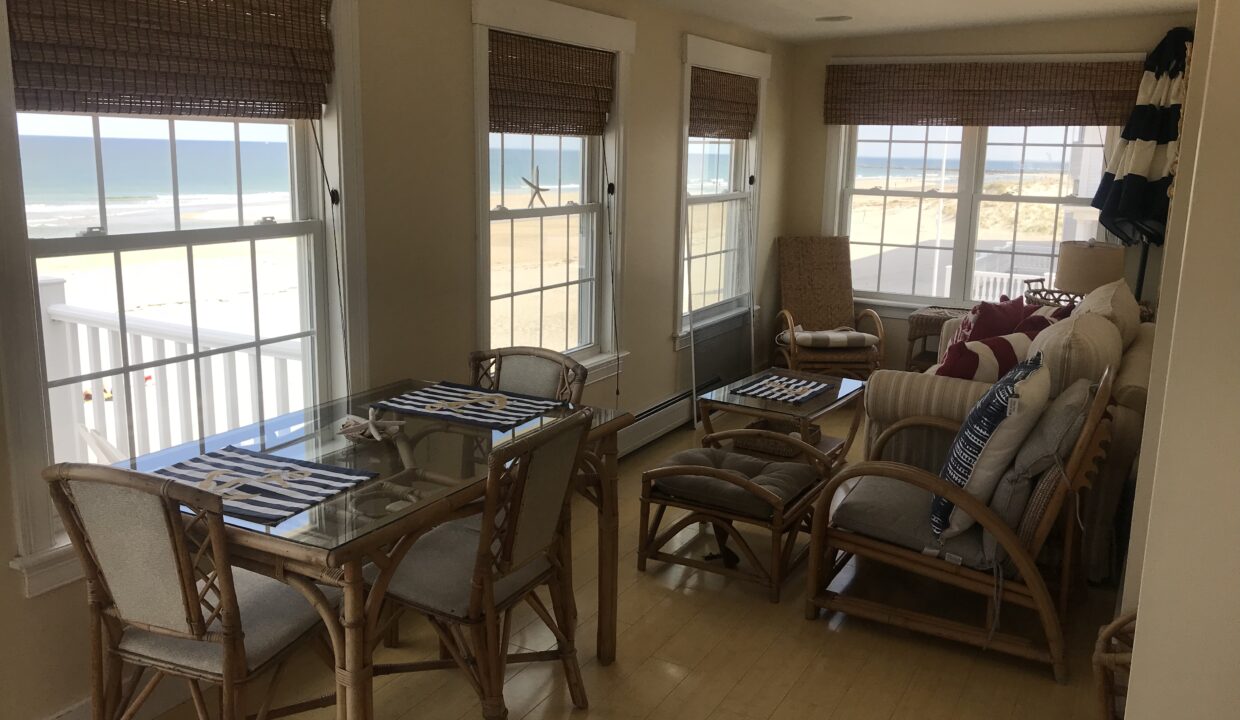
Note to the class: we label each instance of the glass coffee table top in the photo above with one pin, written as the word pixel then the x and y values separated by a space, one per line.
pixel 839 392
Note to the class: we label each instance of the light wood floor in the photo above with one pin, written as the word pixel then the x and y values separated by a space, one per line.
pixel 696 646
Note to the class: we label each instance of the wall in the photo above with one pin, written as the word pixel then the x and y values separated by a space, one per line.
pixel 45 666
pixel 1188 636
pixel 417 109
pixel 807 151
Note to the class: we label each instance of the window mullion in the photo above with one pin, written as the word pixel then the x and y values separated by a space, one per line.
pixel 103 207
pixel 972 156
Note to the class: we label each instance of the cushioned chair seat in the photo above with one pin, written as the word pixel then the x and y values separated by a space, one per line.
pixel 860 355
pixel 437 573
pixel 899 513
pixel 788 480
pixel 830 339
pixel 273 616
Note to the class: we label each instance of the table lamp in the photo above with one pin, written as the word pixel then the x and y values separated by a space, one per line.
pixel 1083 267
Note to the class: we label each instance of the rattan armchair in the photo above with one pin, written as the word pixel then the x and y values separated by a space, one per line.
pixel 530 371
pixel 1018 580
pixel 165 599
pixel 815 285
pixel 466 576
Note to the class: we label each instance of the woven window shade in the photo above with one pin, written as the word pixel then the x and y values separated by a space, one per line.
pixel 722 105
pixel 229 58
pixel 548 88
pixel 1019 93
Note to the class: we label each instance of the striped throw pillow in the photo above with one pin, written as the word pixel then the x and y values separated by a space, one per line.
pixel 985 360
pixel 988 440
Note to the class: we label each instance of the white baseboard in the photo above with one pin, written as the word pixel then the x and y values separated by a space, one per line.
pixel 170 693
pixel 652 425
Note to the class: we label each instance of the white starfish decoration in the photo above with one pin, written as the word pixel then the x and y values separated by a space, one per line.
pixel 538 191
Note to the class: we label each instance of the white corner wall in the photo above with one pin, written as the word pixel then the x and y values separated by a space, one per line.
pixel 1187 658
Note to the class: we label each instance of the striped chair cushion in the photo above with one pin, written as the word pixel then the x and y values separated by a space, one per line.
pixel 841 338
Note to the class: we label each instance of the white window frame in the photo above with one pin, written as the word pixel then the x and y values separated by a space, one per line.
pixel 714 55
pixel 969 198
pixel 566 24
pixel 44 564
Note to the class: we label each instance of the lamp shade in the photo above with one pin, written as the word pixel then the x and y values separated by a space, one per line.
pixel 1084 266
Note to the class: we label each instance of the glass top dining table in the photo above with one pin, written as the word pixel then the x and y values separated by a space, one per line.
pixel 429 459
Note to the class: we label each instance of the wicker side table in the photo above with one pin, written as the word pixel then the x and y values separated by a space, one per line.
pixel 923 324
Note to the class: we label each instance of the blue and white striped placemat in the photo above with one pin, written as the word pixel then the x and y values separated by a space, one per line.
pixel 470 405
pixel 263 488
pixel 784 389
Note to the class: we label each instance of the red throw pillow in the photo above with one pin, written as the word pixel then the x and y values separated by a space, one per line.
pixel 985 360
pixel 1035 324
pixel 995 319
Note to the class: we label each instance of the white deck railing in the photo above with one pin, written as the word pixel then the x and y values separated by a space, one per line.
pixel 85 342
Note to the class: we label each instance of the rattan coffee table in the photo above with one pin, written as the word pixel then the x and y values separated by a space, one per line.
pixel 796 417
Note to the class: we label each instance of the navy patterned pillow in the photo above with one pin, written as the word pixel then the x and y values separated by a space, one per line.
pixel 989 439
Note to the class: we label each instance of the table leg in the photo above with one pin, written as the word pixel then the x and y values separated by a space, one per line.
pixel 356 677
pixel 608 548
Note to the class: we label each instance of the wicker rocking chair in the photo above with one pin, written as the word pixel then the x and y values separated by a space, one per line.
pixel 905 488
pixel 818 322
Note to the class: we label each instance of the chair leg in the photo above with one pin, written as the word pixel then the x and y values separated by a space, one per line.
pixel 643 533
pixel 777 564
pixel 200 702
pixel 819 551
pixel 490 659
pixel 562 604
pixel 730 559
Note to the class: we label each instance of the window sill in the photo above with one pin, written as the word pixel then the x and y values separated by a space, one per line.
pixel 601 365
pixel 47 570
pixel 900 309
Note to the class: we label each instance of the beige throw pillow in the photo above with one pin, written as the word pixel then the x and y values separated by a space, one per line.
pixel 1080 347
pixel 1115 302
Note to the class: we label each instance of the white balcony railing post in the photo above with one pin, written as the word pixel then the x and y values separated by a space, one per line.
pixel 60 347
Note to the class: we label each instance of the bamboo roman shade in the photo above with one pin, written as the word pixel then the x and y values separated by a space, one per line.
pixel 232 58
pixel 722 105
pixel 982 93
pixel 544 87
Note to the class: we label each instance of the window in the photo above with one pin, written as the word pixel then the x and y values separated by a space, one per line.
pixel 176 275
pixel 544 228
pixel 715 272
pixel 966 214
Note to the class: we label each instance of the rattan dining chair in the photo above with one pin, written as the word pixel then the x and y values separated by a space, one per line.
pixel 467 575
pixel 164 597
pixel 819 325
pixel 529 371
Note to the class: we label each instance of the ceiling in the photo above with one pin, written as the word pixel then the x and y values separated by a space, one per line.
pixel 794 19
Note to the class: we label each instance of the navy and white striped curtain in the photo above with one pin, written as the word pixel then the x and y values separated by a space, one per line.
pixel 1134 195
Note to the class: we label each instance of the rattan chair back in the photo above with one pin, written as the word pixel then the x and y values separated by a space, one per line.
pixel 815 281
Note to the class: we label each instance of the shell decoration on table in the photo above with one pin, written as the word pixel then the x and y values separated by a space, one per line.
pixel 370 429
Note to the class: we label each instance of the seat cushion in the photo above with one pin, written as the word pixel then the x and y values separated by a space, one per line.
pixel 898 513
pixel 830 339
pixel 787 480
pixel 273 616
pixel 436 575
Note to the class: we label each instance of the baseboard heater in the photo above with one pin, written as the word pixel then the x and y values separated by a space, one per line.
pixel 659 419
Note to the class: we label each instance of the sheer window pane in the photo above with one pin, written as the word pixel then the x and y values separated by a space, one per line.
pixel 90 421
pixel 871 166
pixel 223 288
pixel 207 173
pixel 908 132
pixel 865 222
pixel 572 164
pixel 992 276
pixel 285 296
pixel 266 179
pixel 68 286
pixel 943 167
pixel 555 250
pixel 501 257
pixel 938 223
pixel 900 225
pixel 996 225
pixel 1035 228
pixel 59 177
pixel 527 319
pixel 873 132
pixel 897 273
pixel 518 169
pixel 137 174
pixel 865 260
pixel 526 254
pixel 157 296
pixel 555 319
pixel 934 266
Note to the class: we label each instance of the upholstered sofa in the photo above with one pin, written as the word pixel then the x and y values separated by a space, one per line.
pixel 892 395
